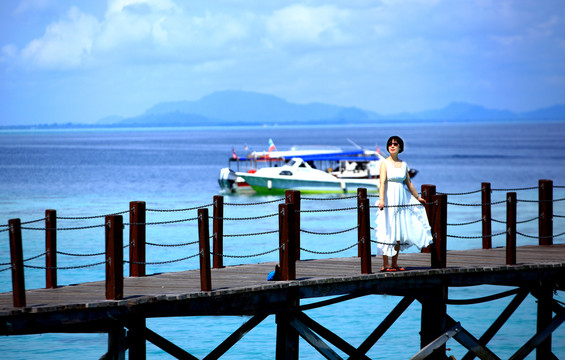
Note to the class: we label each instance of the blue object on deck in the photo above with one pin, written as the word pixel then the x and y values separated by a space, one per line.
pixel 271 276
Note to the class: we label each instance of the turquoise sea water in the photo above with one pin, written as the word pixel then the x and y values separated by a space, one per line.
pixel 95 172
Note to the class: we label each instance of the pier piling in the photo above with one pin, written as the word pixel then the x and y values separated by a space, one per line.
pixel 434 319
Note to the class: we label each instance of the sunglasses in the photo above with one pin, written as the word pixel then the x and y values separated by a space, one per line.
pixel 393 144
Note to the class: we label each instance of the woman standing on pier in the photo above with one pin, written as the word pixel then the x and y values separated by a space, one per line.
pixel 401 219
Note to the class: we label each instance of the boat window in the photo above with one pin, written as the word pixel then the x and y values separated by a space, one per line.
pixel 291 162
pixel 286 172
pixel 303 165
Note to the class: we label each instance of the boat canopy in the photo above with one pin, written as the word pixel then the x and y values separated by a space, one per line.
pixel 355 155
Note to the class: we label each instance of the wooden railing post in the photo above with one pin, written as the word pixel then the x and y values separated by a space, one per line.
pixel 439 232
pixel 50 249
pixel 427 192
pixel 204 241
pixel 361 195
pixel 486 215
pixel 114 257
pixel 218 231
pixel 511 228
pixel 17 260
pixel 286 240
pixel 545 212
pixel 364 230
pixel 293 196
pixel 137 219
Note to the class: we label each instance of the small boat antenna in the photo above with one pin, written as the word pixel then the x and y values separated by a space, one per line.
pixel 355 144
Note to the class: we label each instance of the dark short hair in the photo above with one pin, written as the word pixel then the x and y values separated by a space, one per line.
pixel 398 140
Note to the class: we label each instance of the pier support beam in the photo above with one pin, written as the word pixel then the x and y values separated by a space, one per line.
pixel 116 344
pixel 434 319
pixel 136 337
pixel 287 336
pixel 544 295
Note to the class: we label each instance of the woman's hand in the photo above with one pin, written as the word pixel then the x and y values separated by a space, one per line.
pixel 422 200
pixel 381 204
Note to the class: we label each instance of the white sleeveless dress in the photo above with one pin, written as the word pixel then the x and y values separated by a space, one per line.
pixel 406 224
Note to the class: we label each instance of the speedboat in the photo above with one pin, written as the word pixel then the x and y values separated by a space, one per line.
pixel 346 165
pixel 300 175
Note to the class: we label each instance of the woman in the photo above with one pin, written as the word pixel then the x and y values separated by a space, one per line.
pixel 401 219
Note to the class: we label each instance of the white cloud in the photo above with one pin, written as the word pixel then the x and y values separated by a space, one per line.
pixel 65 44
pixel 134 31
pixel 303 25
pixel 118 6
pixel 32 5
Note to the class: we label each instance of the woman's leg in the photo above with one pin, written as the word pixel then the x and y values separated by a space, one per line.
pixel 385 262
pixel 395 257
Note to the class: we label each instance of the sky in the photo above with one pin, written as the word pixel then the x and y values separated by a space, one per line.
pixel 79 61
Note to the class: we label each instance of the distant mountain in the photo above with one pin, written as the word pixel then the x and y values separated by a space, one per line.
pixel 242 107
pixel 231 107
pixel 556 112
pixel 465 111
pixel 249 107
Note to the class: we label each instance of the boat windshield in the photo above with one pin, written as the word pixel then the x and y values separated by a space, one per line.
pixel 301 163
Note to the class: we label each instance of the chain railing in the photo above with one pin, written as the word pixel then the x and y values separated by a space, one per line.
pixel 292 216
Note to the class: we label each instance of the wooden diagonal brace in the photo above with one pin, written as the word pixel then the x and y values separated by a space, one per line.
pixel 441 340
pixel 235 337
pixel 314 340
pixel 539 337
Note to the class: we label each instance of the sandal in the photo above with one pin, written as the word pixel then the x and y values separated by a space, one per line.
pixel 383 269
pixel 390 269
pixel 398 268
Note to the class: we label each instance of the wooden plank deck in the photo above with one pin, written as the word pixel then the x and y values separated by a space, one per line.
pixel 243 289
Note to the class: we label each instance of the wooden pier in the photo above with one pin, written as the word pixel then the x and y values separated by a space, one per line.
pixel 120 306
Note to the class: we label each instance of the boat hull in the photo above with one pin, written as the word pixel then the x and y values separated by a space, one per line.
pixel 278 185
